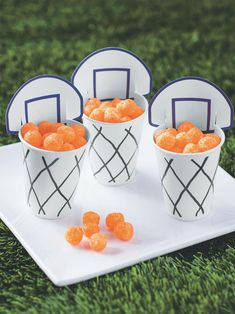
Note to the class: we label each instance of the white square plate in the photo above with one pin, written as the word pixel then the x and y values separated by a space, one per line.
pixel 156 233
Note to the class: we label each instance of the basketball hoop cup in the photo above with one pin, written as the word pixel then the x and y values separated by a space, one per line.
pixel 188 180
pixel 51 177
pixel 106 74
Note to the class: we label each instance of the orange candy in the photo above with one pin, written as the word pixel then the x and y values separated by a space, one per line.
pixel 55 126
pixel 166 141
pixel 79 141
pixel 195 135
pixel 191 148
pixel 97 114
pixel 115 101
pixel 207 143
pixel 185 126
pixel 176 149
pixel 90 105
pixel 126 107
pixel 124 231
pixel 125 119
pixel 215 136
pixel 67 133
pixel 112 115
pixel 45 127
pixel 53 142
pixel 171 131
pixel 74 235
pixel 91 217
pixel 33 137
pixel 90 228
pixel 137 112
pixel 79 129
pixel 67 146
pixel 182 139
pixel 112 220
pixel 98 242
pixel 28 127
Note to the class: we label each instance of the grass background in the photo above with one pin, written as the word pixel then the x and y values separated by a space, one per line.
pixel 175 38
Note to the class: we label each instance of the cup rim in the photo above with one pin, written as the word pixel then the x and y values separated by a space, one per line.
pixel 57 152
pixel 190 154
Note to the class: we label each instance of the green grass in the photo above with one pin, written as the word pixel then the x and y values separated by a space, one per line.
pixel 175 38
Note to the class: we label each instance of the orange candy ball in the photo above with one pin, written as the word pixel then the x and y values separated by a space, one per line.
pixel 115 101
pixel 79 130
pixel 55 126
pixel 53 142
pixel 97 114
pixel 67 133
pixel 91 217
pixel 124 231
pixel 112 115
pixel 79 141
pixel 182 139
pixel 112 220
pixel 125 119
pixel 207 143
pixel 28 127
pixel 74 235
pixel 126 107
pixel 191 148
pixel 67 146
pixel 176 149
pixel 90 228
pixel 98 242
pixel 215 136
pixel 137 112
pixel 90 105
pixel 195 135
pixel 44 127
pixel 33 137
pixel 166 141
pixel 185 126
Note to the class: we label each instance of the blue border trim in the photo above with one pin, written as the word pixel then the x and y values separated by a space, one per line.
pixel 192 78
pixel 117 49
pixel 112 70
pixel 208 101
pixel 31 80
pixel 27 102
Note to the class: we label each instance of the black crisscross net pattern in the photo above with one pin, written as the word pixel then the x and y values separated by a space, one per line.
pixel 54 188
pixel 118 165
pixel 200 171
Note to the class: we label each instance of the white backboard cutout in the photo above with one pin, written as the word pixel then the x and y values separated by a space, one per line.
pixel 194 99
pixel 45 97
pixel 112 72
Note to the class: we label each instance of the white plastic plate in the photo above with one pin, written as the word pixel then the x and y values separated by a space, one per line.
pixel 156 233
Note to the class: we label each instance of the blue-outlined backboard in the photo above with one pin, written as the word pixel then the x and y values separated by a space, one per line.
pixel 191 98
pixel 117 83
pixel 112 72
pixel 47 107
pixel 45 97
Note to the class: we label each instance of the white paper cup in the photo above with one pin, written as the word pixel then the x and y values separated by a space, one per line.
pixel 114 148
pixel 51 178
pixel 188 180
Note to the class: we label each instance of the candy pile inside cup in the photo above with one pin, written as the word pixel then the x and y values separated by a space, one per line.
pixel 114 111
pixel 187 139
pixel 115 222
pixel 54 136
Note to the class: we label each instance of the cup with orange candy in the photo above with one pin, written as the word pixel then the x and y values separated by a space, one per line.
pixel 53 158
pixel 115 127
pixel 188 161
